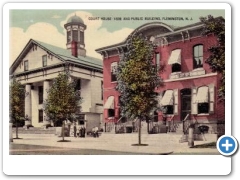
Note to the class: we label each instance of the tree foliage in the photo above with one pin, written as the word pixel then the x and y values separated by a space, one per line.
pixel 16 101
pixel 216 60
pixel 63 100
pixel 137 78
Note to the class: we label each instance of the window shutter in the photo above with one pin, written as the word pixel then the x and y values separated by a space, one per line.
pixel 211 99
pixel 175 94
pixel 194 103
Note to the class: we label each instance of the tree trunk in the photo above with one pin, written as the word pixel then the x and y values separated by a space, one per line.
pixel 63 130
pixel 148 127
pixel 139 132
pixel 16 130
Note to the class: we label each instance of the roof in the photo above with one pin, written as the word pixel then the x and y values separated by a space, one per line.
pixel 63 54
pixel 75 19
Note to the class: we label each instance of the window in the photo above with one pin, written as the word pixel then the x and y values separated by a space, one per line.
pixel 69 38
pixel 167 102
pixel 78 85
pixel 40 115
pixel 175 60
pixel 75 35
pixel 81 37
pixel 26 65
pixel 81 119
pixel 202 100
pixel 44 60
pixel 175 57
pixel 119 101
pixel 157 59
pixel 111 113
pixel 109 104
pixel 40 94
pixel 168 109
pixel 176 67
pixel 203 108
pixel 114 71
pixel 197 56
pixel 101 90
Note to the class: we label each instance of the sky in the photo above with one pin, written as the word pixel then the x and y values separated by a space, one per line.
pixel 47 25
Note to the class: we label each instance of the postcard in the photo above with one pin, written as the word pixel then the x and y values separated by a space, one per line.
pixel 114 88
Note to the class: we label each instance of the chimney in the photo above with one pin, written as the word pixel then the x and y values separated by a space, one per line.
pixel 74 49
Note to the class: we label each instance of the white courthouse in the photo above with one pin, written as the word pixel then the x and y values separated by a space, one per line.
pixel 39 63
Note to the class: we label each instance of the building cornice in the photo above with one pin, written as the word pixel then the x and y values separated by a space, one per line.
pixel 191 77
pixel 172 31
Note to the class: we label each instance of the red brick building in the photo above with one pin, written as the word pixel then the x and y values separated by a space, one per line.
pixel 190 86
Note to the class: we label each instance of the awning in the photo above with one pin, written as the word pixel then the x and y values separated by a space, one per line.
pixel 167 98
pixel 202 95
pixel 175 57
pixel 109 103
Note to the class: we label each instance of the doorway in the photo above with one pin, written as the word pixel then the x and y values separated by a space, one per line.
pixel 185 102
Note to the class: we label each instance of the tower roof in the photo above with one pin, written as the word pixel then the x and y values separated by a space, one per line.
pixel 75 19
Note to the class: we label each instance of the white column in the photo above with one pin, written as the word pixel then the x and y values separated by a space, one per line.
pixel 28 112
pixel 46 85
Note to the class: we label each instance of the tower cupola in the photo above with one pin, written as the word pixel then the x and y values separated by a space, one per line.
pixel 75 28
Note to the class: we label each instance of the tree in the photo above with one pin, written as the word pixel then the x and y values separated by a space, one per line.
pixel 137 78
pixel 216 60
pixel 16 103
pixel 63 101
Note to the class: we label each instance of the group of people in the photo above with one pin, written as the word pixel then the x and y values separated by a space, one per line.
pixel 81 131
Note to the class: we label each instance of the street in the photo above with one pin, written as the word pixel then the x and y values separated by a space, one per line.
pixel 109 144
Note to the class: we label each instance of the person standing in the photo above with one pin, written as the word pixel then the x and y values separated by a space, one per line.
pixel 75 130
pixel 84 131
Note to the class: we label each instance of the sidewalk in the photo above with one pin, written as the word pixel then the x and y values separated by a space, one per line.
pixel 157 143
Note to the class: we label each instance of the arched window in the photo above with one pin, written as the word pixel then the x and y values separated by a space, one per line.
pixel 198 56
pixel 114 71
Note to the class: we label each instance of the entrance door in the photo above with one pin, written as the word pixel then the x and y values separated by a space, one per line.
pixel 185 103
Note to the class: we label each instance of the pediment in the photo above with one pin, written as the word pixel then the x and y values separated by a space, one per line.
pixel 32 56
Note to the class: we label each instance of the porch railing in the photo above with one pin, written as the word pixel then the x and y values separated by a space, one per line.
pixel 109 124
pixel 172 125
